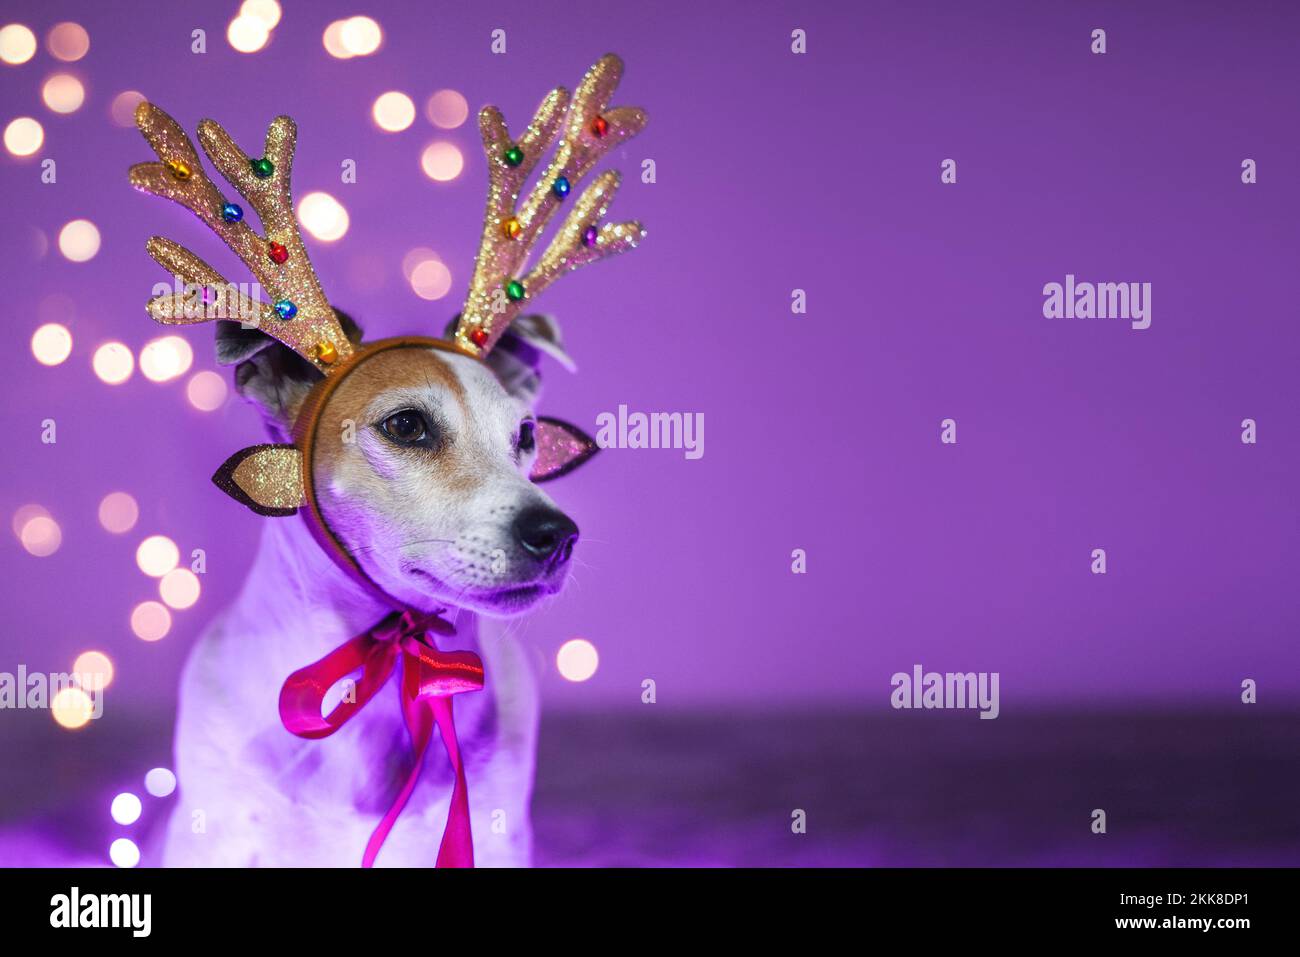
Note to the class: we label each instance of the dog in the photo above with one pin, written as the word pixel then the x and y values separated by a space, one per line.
pixel 433 499
pixel 416 462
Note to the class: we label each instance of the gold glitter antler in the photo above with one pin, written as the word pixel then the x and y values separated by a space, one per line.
pixel 298 313
pixel 590 129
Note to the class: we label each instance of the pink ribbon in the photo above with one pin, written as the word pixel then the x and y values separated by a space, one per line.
pixel 429 678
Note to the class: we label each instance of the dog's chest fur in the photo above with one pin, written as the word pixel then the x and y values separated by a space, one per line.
pixel 253 794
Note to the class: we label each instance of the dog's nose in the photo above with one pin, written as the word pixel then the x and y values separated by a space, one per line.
pixel 545 532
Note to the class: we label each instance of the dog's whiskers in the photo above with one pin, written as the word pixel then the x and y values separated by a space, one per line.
pixel 418 541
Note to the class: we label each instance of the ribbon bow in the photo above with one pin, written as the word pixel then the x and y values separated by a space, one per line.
pixel 429 678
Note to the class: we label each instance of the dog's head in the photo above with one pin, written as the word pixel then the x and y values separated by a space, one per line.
pixel 421 467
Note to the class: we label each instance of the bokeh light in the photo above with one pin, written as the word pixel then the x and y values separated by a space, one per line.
pixel 430 279
pixel 113 363
pixel 41 535
pixel 393 111
pixel 63 93
pixel 40 243
pixel 413 258
pixel 247 34
pixel 179 588
pixel 206 391
pixel 17 43
pixel 72 708
pixel 79 240
pixel 441 161
pixel 118 512
pixel 51 344
pixel 24 136
pixel 24 514
pixel 68 42
pixel 94 670
pixel 323 216
pixel 150 620
pixel 333 40
pixel 577 659
pixel 124 853
pixel 126 808
pixel 160 782
pixel 166 358
pixel 361 36
pixel 268 11
pixel 447 109
pixel 157 555
pixel 122 109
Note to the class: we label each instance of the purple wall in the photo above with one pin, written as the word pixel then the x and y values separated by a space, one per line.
pixel 775 172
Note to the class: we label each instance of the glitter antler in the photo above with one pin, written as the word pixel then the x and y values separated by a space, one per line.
pixel 590 129
pixel 298 314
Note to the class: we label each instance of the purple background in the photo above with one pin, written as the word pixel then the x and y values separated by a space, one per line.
pixel 775 171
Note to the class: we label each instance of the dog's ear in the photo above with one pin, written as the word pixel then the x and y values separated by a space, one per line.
pixel 269 374
pixel 517 356
pixel 561 448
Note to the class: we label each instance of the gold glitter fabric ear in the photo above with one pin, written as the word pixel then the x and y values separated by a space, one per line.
pixel 266 478
pixel 295 310
pixel 588 128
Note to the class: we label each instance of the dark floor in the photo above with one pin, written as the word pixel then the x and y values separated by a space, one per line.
pixel 900 788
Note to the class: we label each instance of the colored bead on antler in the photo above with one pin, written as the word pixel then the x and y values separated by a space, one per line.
pixel 293 310
pixel 588 129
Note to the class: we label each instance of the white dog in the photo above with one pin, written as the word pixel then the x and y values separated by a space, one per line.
pixel 433 499
pixel 414 457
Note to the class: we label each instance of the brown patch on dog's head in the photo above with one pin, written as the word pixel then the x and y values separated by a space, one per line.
pixel 420 464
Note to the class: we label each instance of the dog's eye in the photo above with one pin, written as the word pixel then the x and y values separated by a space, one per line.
pixel 527 440
pixel 406 428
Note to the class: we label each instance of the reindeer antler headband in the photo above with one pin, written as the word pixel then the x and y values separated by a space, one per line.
pixel 277 479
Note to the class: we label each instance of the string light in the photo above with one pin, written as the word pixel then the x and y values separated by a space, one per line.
pixel 167 358
pixel 393 111
pixel 51 344
pixel 17 44
pixel 118 512
pixel 124 853
pixel 577 659
pixel 94 669
pixel 150 621
pixel 268 11
pixel 72 708
pixel 24 136
pixel 79 240
pixel 126 808
pixel 68 42
pixel 447 109
pixel 206 391
pixel 63 93
pixel 247 34
pixel 122 109
pixel 430 279
pixel 323 216
pixel 160 782
pixel 113 363
pixel 157 555
pixel 179 588
pixel 41 536
pixel 441 161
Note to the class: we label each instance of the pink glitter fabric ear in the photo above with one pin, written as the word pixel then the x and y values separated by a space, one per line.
pixel 561 448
